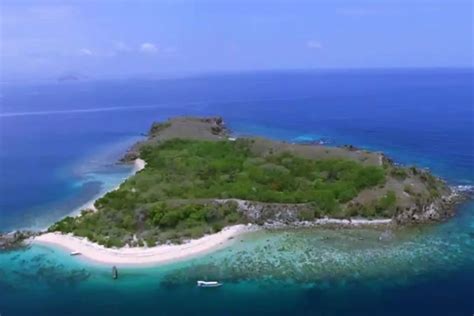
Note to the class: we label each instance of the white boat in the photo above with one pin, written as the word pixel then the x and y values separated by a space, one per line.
pixel 75 253
pixel 208 284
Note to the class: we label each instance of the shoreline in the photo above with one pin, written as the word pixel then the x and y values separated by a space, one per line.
pixel 143 256
pixel 138 164
pixel 162 254
pixel 333 222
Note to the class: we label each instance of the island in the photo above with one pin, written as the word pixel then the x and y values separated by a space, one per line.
pixel 200 181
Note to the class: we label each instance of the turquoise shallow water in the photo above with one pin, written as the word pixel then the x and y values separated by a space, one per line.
pixel 284 264
pixel 416 116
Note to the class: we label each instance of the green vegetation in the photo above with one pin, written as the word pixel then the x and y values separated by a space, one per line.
pixel 399 173
pixel 156 128
pixel 433 184
pixel 152 223
pixel 171 199
pixel 199 169
pixel 306 215
pixel 408 189
pixel 385 207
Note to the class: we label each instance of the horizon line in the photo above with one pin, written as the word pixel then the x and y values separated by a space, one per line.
pixel 192 74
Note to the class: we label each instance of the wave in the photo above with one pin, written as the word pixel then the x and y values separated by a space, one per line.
pixel 89 110
pixel 465 188
pixel 138 107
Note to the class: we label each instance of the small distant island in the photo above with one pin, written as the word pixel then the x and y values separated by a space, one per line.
pixel 199 179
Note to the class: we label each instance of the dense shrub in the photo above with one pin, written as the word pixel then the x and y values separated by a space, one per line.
pixel 306 215
pixel 189 170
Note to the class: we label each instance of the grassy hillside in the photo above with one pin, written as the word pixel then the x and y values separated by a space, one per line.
pixel 189 169
pixel 165 200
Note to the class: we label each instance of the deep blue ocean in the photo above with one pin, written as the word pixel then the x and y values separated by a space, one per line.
pixel 59 144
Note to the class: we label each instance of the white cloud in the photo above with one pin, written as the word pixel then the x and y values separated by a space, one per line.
pixel 85 52
pixel 148 48
pixel 313 44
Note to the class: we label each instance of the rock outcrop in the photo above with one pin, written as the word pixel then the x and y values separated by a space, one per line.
pixel 14 240
pixel 419 196
pixel 208 128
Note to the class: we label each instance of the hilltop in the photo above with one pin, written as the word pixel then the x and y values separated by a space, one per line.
pixel 198 180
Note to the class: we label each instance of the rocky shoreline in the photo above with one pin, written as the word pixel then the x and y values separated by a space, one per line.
pixel 279 215
pixel 211 128
pixel 16 239
pixel 287 217
pixel 420 196
pixel 438 210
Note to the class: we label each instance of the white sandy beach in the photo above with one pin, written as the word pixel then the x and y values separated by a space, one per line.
pixel 142 255
pixel 139 256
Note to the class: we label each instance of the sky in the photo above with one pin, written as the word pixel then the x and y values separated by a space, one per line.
pixel 103 38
